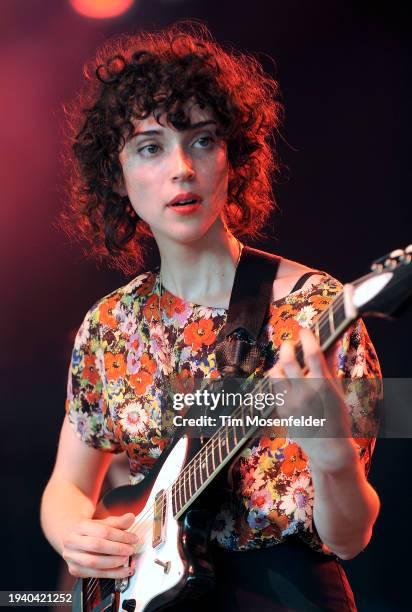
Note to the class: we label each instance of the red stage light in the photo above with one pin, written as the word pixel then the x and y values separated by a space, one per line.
pixel 101 9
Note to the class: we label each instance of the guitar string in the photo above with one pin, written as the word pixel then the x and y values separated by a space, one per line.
pixel 322 322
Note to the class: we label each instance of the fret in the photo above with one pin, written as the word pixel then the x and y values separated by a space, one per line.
pixel 203 466
pixel 174 498
pixel 179 485
pixel 222 439
pixel 331 321
pixel 339 313
pixel 194 473
pixel 190 467
pixel 235 440
pixel 250 410
pixel 186 497
pixel 212 444
pixel 219 447
pixel 229 444
pixel 217 452
pixel 232 438
pixel 335 316
pixel 316 329
pixel 240 431
pixel 324 333
pixel 206 459
pixel 200 469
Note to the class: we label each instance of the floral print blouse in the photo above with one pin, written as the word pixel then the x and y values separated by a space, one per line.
pixel 124 349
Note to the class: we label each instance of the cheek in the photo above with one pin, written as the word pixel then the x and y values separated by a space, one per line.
pixel 138 182
pixel 222 181
pixel 218 172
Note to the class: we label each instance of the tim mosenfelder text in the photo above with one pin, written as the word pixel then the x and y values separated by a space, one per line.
pixel 259 401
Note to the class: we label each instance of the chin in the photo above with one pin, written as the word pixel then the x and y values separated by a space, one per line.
pixel 189 237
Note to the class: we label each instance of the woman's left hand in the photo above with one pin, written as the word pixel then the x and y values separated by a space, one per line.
pixel 313 393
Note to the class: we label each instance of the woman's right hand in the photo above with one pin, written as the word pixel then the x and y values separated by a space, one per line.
pixel 100 548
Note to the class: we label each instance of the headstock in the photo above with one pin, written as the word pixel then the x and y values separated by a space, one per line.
pixel 388 288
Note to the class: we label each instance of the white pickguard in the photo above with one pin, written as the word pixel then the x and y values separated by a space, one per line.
pixel 150 578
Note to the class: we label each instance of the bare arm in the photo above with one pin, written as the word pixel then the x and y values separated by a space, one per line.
pixel 346 506
pixel 90 547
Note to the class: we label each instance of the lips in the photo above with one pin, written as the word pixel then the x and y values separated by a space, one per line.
pixel 185 199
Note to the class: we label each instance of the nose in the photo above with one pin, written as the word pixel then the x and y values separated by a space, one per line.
pixel 182 166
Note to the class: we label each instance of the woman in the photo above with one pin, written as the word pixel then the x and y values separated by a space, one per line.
pixel 171 141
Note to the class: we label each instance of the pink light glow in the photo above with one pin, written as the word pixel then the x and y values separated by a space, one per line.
pixel 101 9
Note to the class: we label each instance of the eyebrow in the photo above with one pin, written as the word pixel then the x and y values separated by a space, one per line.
pixel 192 126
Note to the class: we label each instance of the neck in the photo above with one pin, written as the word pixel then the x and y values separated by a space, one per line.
pixel 203 271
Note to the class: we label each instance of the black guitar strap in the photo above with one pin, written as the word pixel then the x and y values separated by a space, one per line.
pixel 238 351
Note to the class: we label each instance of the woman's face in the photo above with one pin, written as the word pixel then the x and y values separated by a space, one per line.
pixel 164 167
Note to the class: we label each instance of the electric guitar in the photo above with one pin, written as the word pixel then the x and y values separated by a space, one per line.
pixel 172 558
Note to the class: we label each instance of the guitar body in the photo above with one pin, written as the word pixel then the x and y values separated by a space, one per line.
pixel 172 561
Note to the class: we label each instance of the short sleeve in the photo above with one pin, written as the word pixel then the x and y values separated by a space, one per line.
pixel 357 365
pixel 85 404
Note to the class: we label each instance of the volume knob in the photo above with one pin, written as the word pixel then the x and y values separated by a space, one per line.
pixel 129 605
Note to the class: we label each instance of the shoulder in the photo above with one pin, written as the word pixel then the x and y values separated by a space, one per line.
pixel 139 287
pixel 290 272
pixel 114 307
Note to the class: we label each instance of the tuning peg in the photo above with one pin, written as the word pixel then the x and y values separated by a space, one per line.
pixel 376 266
pixel 392 259
pixel 397 253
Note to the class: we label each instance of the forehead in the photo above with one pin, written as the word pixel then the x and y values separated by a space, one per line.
pixel 193 112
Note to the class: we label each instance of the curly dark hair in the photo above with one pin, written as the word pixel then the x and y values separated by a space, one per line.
pixel 157 73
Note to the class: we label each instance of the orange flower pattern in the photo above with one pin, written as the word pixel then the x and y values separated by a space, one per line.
pixel 117 392
pixel 200 333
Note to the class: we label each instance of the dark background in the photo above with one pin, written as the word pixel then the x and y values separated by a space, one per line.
pixel 343 68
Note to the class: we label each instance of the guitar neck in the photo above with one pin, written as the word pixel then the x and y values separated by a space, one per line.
pixel 230 438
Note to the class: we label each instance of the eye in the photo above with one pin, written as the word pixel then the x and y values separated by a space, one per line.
pixel 204 141
pixel 149 150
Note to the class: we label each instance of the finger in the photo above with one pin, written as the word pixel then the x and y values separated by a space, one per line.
pixel 123 521
pixel 276 371
pixel 312 354
pixel 98 545
pixel 80 571
pixel 100 529
pixel 99 562
pixel 277 379
pixel 288 361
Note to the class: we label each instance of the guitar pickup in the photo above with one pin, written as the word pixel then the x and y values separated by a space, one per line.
pixel 159 518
